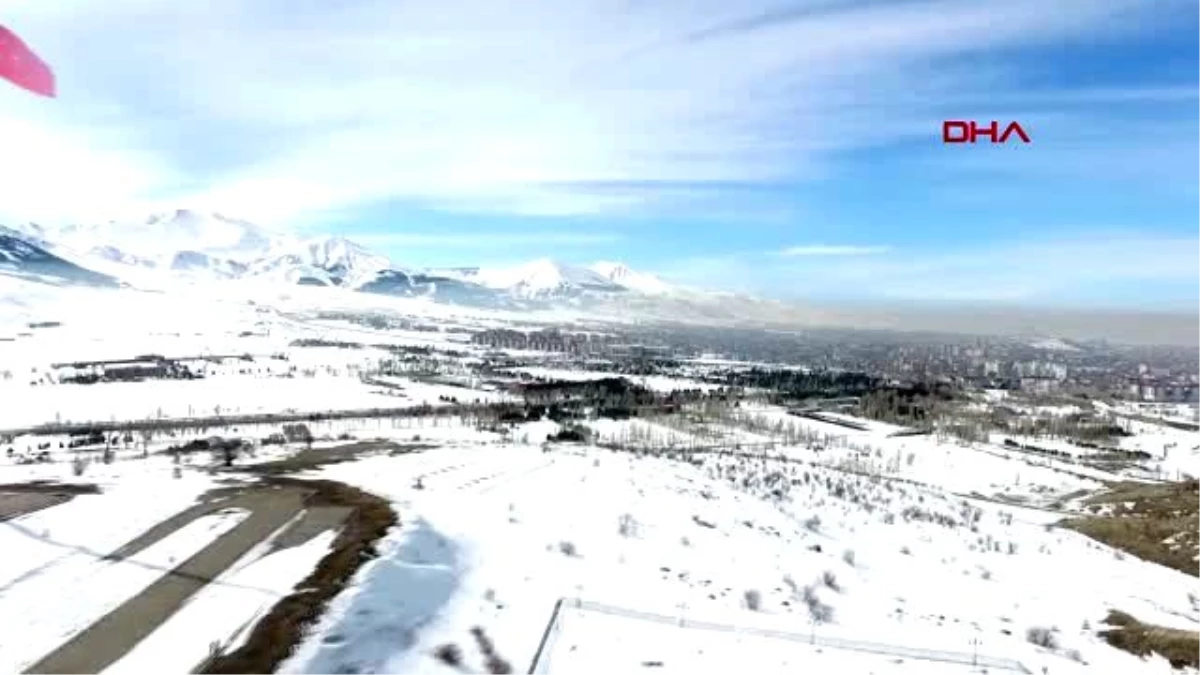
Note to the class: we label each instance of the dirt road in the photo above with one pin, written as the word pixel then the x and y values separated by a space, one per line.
pixel 111 637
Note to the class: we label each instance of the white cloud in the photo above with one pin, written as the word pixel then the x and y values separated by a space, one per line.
pixel 54 170
pixel 279 111
pixel 827 250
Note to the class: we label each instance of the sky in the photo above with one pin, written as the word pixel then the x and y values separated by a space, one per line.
pixel 789 149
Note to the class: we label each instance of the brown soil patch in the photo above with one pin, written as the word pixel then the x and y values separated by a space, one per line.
pixel 275 637
pixel 1180 647
pixel 1155 522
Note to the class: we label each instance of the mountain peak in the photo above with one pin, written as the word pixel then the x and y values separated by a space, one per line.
pixel 620 274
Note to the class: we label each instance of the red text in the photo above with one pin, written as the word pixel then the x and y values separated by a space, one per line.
pixel 959 131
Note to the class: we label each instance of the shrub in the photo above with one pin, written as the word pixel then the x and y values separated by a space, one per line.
pixel 627 526
pixel 492 660
pixel 297 433
pixel 848 557
pixel 753 600
pixel 449 654
pixel 568 548
pixel 818 611
pixel 830 580
pixel 1042 637
pixel 813 524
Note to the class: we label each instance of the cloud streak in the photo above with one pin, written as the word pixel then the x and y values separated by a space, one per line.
pixel 1151 270
pixel 827 250
pixel 288 111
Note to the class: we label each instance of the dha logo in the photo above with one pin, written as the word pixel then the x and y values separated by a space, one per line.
pixel 958 131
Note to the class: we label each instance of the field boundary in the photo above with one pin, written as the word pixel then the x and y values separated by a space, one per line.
pixel 541 659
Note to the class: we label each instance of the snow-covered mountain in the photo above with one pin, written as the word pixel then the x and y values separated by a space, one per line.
pixel 193 247
pixel 23 258
pixel 323 261
pixel 183 243
pixel 541 279
pixel 162 236
pixel 620 274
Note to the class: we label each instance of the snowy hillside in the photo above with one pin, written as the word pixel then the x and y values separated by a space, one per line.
pixel 541 279
pixel 328 261
pixel 23 258
pixel 189 244
pixel 763 566
pixel 164 235
pixel 620 274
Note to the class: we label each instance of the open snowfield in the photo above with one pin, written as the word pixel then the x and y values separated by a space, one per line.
pixel 884 570
pixel 499 534
pixel 989 470
pixel 890 554
pixel 214 396
pixel 600 638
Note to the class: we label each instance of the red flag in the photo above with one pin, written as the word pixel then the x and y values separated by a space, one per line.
pixel 19 65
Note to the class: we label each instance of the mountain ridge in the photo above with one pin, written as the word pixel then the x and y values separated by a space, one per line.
pixel 193 246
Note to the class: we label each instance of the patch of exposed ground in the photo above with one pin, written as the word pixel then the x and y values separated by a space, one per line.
pixel 1155 522
pixel 49 486
pixel 18 499
pixel 276 636
pixel 1158 523
pixel 313 458
pixel 1180 647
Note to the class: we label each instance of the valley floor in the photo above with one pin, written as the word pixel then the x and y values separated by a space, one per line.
pixel 745 557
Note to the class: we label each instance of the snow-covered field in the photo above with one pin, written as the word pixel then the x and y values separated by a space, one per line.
pixel 594 637
pixel 215 396
pixel 499 534
pixel 887 559
pixel 891 554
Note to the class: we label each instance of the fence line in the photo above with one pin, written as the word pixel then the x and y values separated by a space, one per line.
pixel 545 648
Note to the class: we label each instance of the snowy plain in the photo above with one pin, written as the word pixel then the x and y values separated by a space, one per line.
pixel 904 541
pixel 499 534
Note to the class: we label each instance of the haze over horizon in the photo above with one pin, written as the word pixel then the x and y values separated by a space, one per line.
pixel 786 149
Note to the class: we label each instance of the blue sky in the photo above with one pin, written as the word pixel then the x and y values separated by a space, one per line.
pixel 785 148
